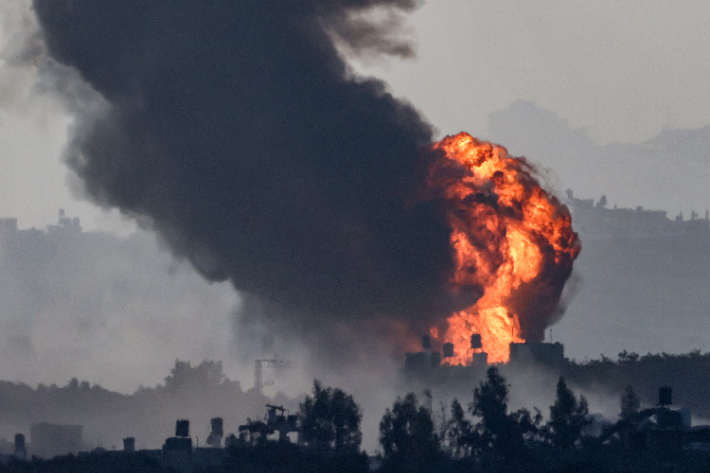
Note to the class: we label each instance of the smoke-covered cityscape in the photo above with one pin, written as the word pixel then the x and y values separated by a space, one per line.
pixel 271 254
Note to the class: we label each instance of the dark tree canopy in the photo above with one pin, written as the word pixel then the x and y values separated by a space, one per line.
pixel 331 419
pixel 460 434
pixel 407 434
pixel 206 375
pixel 568 416
pixel 490 403
pixel 499 433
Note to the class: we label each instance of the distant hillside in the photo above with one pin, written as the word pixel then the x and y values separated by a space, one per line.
pixel 668 172
pixel 116 310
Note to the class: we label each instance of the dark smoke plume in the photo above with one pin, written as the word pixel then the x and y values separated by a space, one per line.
pixel 239 130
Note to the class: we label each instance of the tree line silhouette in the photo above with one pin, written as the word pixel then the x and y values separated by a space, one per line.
pixel 480 435
pixel 195 392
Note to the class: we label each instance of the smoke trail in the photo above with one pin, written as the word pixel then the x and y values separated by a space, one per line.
pixel 239 130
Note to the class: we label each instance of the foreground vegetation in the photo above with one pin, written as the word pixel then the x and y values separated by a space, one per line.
pixel 476 435
pixel 482 436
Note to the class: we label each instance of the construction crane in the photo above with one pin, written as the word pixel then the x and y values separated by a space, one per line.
pixel 259 382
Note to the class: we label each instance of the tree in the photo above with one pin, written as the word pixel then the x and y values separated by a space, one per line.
pixel 626 357
pixel 630 403
pixel 490 403
pixel 346 417
pixel 331 418
pixel 184 377
pixel 460 433
pixel 407 435
pixel 500 433
pixel 567 417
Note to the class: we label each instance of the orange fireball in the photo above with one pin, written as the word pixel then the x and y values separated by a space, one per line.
pixel 511 240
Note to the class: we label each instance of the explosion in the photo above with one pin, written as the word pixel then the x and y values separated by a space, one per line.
pixel 281 172
pixel 511 241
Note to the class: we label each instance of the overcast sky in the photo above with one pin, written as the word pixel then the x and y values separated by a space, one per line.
pixel 622 70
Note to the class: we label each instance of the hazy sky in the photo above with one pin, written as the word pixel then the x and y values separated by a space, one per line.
pixel 624 70
pixel 616 71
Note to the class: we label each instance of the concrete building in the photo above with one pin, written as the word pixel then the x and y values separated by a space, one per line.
pixel 552 354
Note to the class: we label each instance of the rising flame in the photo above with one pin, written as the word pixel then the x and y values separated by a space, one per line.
pixel 511 240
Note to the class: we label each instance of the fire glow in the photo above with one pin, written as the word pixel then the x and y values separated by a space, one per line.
pixel 511 240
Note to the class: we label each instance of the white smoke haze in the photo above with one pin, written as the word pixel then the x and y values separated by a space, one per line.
pixel 35 124
pixel 18 58
pixel 31 83
pixel 115 311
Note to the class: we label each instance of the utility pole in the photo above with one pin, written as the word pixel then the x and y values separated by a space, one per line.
pixel 258 376
pixel 259 382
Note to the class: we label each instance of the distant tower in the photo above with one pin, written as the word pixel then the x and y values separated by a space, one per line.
pixel 665 396
pixel 216 433
pixel 129 444
pixel 448 350
pixel 182 428
pixel 476 341
pixel 426 342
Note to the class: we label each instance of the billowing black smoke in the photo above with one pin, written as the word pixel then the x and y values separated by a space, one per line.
pixel 238 129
